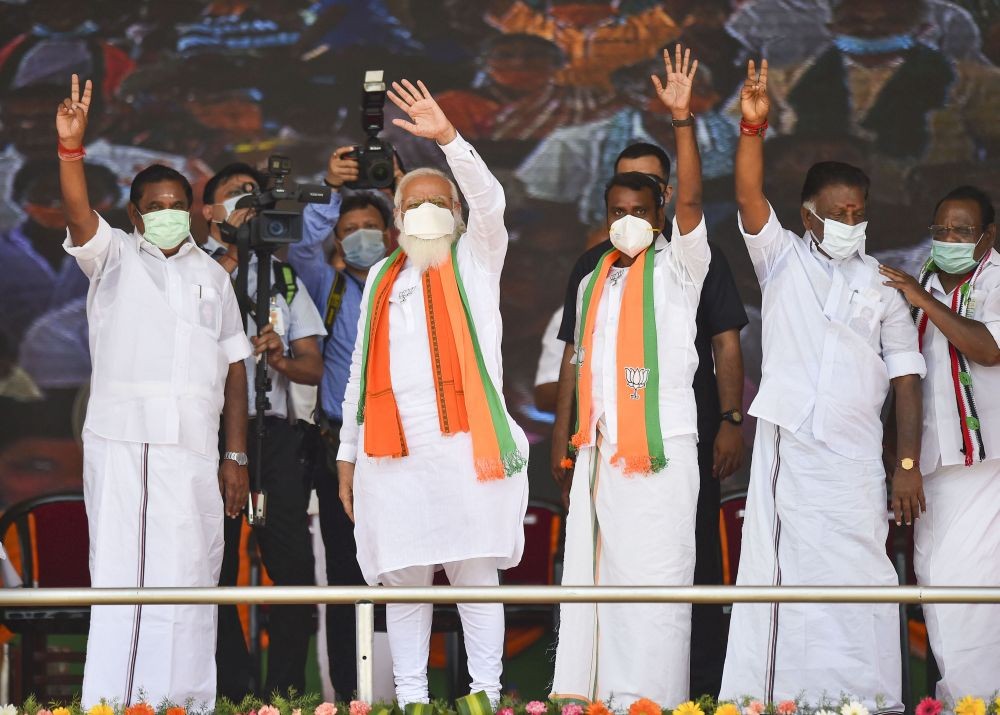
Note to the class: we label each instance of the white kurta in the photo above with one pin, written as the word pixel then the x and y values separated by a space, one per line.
pixel 163 332
pixel 957 542
pixel 429 507
pixel 639 529
pixel 833 338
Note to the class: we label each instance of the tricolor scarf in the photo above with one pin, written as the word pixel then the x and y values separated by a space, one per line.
pixel 962 304
pixel 467 400
pixel 640 442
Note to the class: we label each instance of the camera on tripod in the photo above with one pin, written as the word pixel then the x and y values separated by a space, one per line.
pixel 271 227
pixel 375 166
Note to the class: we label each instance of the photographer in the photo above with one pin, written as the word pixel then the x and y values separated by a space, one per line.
pixel 291 347
pixel 360 224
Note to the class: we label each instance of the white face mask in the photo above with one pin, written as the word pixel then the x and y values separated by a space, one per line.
pixel 841 240
pixel 632 235
pixel 429 222
pixel 230 205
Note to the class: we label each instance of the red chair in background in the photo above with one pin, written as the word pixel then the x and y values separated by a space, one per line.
pixel 51 543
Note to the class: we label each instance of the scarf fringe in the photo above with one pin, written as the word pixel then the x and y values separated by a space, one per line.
pixel 491 469
pixel 642 464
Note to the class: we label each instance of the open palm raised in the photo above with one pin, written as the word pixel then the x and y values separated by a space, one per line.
pixel 754 102
pixel 429 121
pixel 71 115
pixel 676 93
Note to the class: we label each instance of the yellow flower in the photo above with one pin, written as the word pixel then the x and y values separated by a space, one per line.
pixel 60 711
pixel 970 706
pixel 101 709
pixel 727 709
pixel 996 705
pixel 688 708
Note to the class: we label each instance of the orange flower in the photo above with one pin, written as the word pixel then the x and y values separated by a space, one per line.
pixel 597 708
pixel 176 711
pixel 566 463
pixel 140 709
pixel 644 706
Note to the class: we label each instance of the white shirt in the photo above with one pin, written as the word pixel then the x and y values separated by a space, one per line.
pixel 301 319
pixel 480 257
pixel 679 270
pixel 942 439
pixel 833 336
pixel 550 361
pixel 163 332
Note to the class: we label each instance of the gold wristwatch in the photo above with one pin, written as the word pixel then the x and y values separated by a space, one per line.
pixel 907 463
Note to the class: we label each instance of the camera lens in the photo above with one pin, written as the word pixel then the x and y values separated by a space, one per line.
pixel 276 228
pixel 381 172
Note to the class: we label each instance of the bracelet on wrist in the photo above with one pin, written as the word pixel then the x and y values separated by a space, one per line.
pixel 67 154
pixel 753 130
pixel 688 122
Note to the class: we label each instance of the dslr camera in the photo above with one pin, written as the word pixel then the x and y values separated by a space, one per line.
pixel 271 227
pixel 375 167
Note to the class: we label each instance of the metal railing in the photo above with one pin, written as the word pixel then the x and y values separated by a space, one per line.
pixel 365 599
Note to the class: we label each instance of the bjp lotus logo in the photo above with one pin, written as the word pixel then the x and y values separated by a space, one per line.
pixel 636 378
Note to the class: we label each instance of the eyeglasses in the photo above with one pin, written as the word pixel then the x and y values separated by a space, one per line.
pixel 939 233
pixel 440 201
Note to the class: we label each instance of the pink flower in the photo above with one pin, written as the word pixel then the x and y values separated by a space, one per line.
pixel 360 707
pixel 929 706
pixel 505 711
pixel 268 710
pixel 572 709
pixel 787 707
pixel 325 709
pixel 756 707
pixel 536 708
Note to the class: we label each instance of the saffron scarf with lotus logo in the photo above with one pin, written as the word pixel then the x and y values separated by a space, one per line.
pixel 640 441
pixel 467 400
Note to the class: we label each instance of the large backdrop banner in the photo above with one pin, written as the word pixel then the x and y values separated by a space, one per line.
pixel 548 91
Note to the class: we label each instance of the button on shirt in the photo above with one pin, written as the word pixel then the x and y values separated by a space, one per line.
pixel 163 332
pixel 300 320
pixel 942 437
pixel 833 336
pixel 308 259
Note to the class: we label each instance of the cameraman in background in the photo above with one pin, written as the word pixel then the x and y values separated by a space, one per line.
pixel 360 222
pixel 291 346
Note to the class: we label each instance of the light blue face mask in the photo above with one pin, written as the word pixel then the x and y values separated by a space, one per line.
pixel 363 248
pixel 861 46
pixel 955 258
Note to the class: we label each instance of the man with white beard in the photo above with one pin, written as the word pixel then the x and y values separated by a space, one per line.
pixel 432 467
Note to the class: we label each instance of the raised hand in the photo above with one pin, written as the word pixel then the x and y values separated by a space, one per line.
pixel 754 102
pixel 71 115
pixel 340 168
pixel 676 93
pixel 429 121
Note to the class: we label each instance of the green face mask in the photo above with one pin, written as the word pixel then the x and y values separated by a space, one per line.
pixel 954 258
pixel 166 228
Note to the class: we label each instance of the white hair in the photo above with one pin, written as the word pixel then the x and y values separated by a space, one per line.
pixel 427 171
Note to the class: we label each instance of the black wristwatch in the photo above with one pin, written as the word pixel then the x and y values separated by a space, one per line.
pixel 734 417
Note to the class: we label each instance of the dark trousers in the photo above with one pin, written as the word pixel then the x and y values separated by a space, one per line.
pixel 709 623
pixel 286 550
pixel 341 568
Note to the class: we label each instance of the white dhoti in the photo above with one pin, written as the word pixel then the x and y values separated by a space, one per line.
pixel 155 516
pixel 814 518
pixel 628 531
pixel 958 544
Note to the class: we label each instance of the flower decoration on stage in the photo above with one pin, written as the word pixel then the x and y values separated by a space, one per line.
pixel 43 711
pixel 325 709
pixel 566 463
pixel 727 709
pixel 754 707
pixel 929 706
pixel 688 708
pixel 505 711
pixel 101 709
pixel 854 708
pixel 572 709
pixel 359 707
pixel 60 711
pixel 996 705
pixel 140 709
pixel 536 707
pixel 644 706
pixel 597 708
pixel 268 710
pixel 970 705
pixel 787 707
pixel 8 710
pixel 176 710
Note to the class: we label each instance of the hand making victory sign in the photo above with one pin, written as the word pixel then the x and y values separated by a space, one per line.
pixel 429 121
pixel 754 102
pixel 676 94
pixel 71 115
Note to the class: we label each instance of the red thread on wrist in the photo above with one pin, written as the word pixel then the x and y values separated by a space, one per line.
pixel 67 154
pixel 753 130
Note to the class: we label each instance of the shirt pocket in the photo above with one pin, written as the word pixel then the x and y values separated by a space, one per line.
pixel 864 314
pixel 207 307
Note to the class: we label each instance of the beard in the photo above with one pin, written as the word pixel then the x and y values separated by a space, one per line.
pixel 426 253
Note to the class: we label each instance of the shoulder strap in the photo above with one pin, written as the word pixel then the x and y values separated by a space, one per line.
pixel 285 283
pixel 333 302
